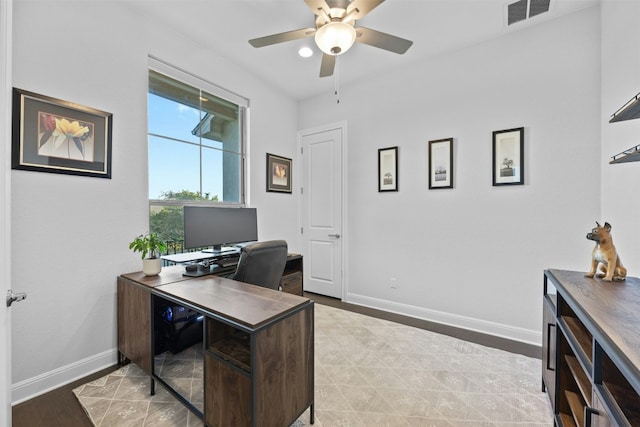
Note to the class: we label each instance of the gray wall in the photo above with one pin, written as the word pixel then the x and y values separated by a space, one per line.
pixel 620 82
pixel 71 234
pixel 473 256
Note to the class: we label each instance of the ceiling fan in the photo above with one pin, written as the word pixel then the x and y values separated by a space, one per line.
pixel 336 32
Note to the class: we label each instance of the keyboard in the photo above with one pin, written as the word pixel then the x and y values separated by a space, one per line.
pixel 228 262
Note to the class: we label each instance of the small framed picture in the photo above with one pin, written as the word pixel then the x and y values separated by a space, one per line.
pixel 278 174
pixel 388 169
pixel 508 157
pixel 51 135
pixel 441 163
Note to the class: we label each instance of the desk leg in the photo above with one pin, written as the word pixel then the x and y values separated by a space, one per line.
pixel 152 352
pixel 311 417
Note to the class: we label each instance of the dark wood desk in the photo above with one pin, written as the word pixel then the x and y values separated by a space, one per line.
pixel 258 344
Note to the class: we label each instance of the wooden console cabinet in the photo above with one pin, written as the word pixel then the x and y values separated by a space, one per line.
pixel 591 349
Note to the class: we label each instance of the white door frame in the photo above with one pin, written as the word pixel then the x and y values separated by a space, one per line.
pixel 342 125
pixel 6 15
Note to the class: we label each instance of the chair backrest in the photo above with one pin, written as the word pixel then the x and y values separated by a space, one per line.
pixel 262 263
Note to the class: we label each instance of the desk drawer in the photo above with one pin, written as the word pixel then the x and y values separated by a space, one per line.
pixel 291 282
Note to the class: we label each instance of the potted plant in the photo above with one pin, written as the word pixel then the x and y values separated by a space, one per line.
pixel 152 245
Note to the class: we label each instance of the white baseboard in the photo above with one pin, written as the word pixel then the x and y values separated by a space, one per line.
pixel 32 387
pixel 527 336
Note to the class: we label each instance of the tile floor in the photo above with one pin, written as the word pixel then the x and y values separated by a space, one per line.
pixel 369 372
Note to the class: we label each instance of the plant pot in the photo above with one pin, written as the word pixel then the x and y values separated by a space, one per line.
pixel 151 266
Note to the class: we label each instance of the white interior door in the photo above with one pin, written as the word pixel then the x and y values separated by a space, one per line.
pixel 322 210
pixel 5 211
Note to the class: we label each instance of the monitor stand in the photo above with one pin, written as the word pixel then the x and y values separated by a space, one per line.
pixel 220 250
pixel 243 244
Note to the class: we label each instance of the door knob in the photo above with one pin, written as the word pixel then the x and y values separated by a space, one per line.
pixel 337 235
pixel 11 297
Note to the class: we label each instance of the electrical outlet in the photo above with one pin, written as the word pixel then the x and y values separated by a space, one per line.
pixel 394 283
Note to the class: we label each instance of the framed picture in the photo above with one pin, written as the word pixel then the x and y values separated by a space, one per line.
pixel 278 174
pixel 508 157
pixel 51 135
pixel 388 169
pixel 441 163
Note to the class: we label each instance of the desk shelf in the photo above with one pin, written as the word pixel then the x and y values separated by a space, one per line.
pixel 233 347
pixel 577 407
pixel 622 393
pixel 566 420
pixel 579 339
pixel 581 378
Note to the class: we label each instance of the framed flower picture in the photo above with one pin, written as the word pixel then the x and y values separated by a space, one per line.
pixel 51 135
pixel 278 174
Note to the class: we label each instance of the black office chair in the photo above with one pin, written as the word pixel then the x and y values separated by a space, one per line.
pixel 262 264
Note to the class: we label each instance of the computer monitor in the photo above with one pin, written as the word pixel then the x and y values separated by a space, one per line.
pixel 212 226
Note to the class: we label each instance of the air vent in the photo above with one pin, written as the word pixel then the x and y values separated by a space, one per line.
pixel 525 9
pixel 517 12
pixel 536 7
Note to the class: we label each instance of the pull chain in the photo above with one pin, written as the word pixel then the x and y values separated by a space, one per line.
pixel 336 81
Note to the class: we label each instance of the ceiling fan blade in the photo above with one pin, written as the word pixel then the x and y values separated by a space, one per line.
pixel 317 5
pixel 327 65
pixel 282 37
pixel 363 6
pixel 382 40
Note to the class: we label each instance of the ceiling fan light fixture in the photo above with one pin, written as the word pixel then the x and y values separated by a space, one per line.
pixel 335 38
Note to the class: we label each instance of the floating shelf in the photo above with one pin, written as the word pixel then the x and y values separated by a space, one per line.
pixel 630 155
pixel 629 111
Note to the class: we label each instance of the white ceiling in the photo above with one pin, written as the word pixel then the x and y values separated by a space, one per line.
pixel 435 26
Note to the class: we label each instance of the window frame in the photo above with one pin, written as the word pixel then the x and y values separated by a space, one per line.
pixel 243 113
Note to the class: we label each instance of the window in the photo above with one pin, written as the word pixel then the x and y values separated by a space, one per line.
pixel 196 134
